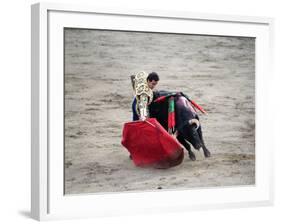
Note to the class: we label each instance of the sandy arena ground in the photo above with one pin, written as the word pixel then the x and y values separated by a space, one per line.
pixel 216 72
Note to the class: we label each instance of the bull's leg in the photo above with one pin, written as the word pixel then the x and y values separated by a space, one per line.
pixel 205 150
pixel 187 146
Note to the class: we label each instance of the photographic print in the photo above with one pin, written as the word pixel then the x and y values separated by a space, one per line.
pixel 213 76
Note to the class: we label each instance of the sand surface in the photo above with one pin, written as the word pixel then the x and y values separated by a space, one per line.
pixel 217 72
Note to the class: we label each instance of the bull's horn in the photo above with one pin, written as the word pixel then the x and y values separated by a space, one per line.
pixel 194 121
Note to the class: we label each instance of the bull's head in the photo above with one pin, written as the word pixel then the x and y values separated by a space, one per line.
pixel 191 133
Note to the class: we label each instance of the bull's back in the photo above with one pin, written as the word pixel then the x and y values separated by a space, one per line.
pixel 184 111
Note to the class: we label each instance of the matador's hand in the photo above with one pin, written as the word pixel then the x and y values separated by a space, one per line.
pixel 142 118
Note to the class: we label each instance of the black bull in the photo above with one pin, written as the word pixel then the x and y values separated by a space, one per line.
pixel 188 127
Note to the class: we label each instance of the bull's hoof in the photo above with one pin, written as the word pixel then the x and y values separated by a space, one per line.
pixel 207 153
pixel 192 156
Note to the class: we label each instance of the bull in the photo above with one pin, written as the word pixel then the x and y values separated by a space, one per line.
pixel 188 127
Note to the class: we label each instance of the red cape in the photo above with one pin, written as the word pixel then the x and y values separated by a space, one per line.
pixel 151 145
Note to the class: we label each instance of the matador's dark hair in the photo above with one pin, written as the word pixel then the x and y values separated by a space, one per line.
pixel 152 76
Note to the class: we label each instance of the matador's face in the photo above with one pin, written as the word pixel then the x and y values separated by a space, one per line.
pixel 152 84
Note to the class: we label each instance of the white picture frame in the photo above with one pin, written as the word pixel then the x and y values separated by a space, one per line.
pixel 48 200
